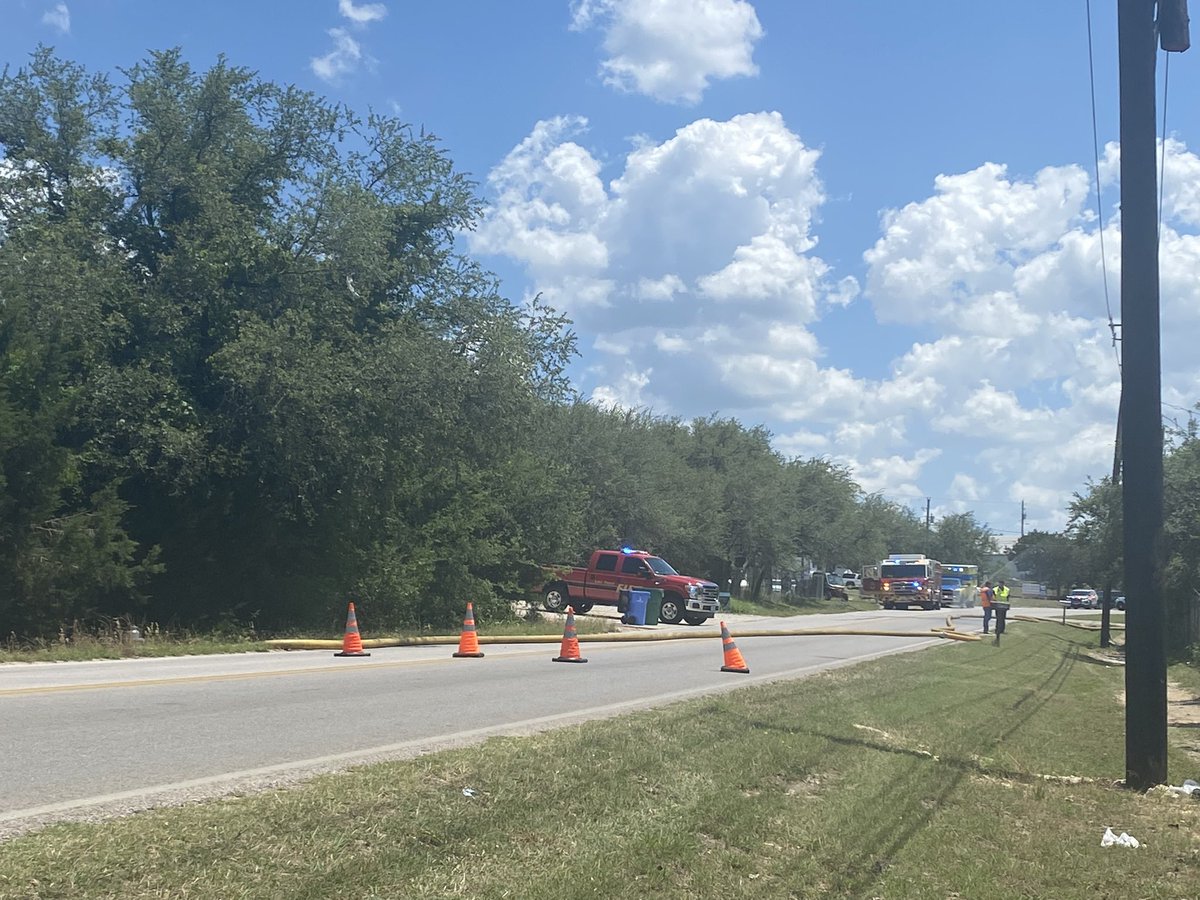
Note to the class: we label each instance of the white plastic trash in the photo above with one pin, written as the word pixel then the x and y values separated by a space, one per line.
pixel 1189 788
pixel 1123 840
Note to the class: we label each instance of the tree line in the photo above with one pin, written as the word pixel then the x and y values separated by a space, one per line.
pixel 247 374
pixel 1089 551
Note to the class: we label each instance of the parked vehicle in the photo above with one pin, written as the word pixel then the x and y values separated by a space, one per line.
pixel 851 580
pixel 609 572
pixel 960 584
pixel 903 580
pixel 1119 602
pixel 1081 598
pixel 835 587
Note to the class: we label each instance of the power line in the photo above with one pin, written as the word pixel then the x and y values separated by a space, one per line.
pixel 1162 163
pixel 1112 326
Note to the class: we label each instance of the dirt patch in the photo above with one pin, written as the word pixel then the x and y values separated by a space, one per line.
pixel 812 785
pixel 1109 656
pixel 1183 709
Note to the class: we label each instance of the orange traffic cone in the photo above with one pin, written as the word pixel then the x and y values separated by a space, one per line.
pixel 352 641
pixel 733 656
pixel 468 642
pixel 570 644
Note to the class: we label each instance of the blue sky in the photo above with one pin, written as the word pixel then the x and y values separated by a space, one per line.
pixel 869 225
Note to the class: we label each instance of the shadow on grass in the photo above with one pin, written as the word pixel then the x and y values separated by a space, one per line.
pixel 884 838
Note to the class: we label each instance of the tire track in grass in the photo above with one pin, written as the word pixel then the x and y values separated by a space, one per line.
pixel 927 784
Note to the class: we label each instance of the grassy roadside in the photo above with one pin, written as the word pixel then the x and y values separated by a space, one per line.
pixel 120 646
pixel 913 776
pixel 87 647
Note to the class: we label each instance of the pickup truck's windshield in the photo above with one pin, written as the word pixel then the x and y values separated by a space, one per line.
pixel 660 566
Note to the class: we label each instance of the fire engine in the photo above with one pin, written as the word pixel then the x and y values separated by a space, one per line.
pixel 903 580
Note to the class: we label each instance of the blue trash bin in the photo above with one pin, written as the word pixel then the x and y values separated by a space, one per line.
pixel 636 614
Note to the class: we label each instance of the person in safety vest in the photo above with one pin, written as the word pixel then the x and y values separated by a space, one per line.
pixel 985 600
pixel 1000 603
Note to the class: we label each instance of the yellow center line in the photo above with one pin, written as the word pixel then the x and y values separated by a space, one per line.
pixel 247 676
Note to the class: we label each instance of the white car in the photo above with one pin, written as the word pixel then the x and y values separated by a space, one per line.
pixel 851 580
pixel 1081 598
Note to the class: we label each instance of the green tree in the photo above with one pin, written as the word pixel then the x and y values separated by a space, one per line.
pixel 883 527
pixel 236 326
pixel 825 523
pixel 64 553
pixel 1181 539
pixel 1094 529
pixel 1048 557
pixel 754 507
pixel 959 538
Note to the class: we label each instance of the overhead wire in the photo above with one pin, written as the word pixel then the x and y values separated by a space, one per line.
pixel 1112 326
pixel 1162 162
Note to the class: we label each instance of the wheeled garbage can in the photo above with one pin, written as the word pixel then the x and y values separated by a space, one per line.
pixel 654 606
pixel 636 614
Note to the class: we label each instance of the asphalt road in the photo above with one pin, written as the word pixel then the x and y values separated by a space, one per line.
pixel 87 740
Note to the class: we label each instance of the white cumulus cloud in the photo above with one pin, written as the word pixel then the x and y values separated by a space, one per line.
pixel 363 13
pixel 698 249
pixel 896 476
pixel 958 251
pixel 345 56
pixel 627 392
pixel 671 49
pixel 59 16
pixel 690 268
pixel 347 53
pixel 1006 275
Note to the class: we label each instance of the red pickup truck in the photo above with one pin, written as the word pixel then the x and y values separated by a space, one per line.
pixel 687 599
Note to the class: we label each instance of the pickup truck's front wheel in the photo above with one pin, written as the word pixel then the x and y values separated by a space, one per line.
pixel 672 610
pixel 555 598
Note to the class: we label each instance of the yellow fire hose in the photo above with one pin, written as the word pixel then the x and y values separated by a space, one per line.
pixel 610 638
pixel 1084 626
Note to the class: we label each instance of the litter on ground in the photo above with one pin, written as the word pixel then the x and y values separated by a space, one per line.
pixel 1122 840
pixel 1189 788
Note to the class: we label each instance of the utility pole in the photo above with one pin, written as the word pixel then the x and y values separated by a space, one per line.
pixel 1141 392
pixel 928 518
pixel 1106 606
pixel 1022 518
